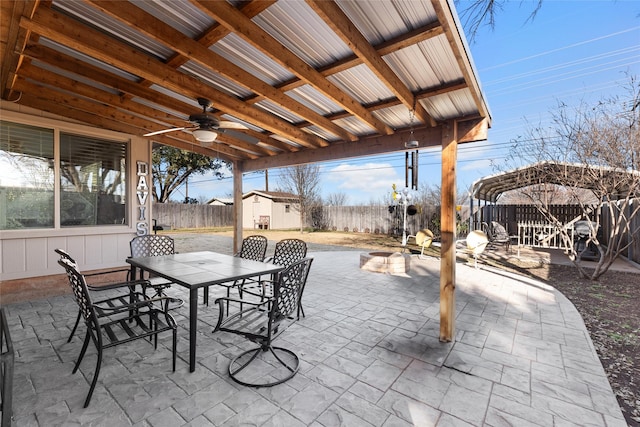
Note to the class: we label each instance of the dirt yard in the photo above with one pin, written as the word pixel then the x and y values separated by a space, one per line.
pixel 609 307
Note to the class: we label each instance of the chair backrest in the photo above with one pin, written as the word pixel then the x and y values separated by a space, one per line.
pixel 424 237
pixel 80 291
pixel 287 290
pixel 288 251
pixel 253 248
pixel 151 245
pixel 498 232
pixel 64 254
pixel 477 242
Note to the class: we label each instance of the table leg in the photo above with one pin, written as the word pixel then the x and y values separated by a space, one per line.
pixel 193 325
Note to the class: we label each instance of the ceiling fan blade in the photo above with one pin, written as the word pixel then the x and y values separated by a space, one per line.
pixel 158 132
pixel 224 124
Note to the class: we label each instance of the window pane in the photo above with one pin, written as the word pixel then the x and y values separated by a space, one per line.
pixel 26 176
pixel 92 181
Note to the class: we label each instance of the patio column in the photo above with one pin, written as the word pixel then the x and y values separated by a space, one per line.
pixel 448 232
pixel 237 205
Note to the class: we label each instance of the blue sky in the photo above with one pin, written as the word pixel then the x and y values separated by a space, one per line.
pixel 572 51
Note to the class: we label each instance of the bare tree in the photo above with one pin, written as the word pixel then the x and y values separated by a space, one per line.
pixel 337 199
pixel 303 181
pixel 478 13
pixel 597 148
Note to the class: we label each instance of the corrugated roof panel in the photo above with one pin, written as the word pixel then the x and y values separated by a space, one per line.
pixel 413 68
pixel 355 126
pixel 86 58
pixel 296 26
pixel 361 84
pixel 465 105
pixel 382 20
pixel 214 79
pixel 180 14
pixel 315 130
pixel 278 111
pixel 397 117
pixel 450 105
pixel 441 58
pixel 84 12
pixel 310 97
pixel 242 54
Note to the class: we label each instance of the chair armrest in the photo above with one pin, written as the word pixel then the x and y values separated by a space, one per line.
pixel 101 273
pixel 222 303
pixel 142 282
pixel 138 303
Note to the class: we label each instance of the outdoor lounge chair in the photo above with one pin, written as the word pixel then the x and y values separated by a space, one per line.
pixel 261 322
pixel 497 235
pixel 423 239
pixel 110 322
pixel 475 244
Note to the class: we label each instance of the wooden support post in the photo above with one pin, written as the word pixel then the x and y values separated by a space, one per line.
pixel 448 233
pixel 237 206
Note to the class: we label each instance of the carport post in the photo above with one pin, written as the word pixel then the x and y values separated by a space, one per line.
pixel 448 232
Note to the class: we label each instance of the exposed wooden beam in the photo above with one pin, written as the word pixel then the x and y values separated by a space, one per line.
pixel 93 43
pixel 336 19
pixel 462 56
pixel 188 48
pixel 402 41
pixel 235 21
pixel 14 40
pixel 472 130
pixel 70 85
pixel 73 65
pixel 368 146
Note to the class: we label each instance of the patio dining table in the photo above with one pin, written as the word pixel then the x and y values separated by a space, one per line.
pixel 195 270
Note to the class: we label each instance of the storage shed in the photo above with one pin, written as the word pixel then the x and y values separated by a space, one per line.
pixel 274 210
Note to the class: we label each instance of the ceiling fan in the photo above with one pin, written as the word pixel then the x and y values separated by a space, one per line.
pixel 205 125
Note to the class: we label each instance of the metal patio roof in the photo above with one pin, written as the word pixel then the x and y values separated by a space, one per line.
pixel 490 188
pixel 312 81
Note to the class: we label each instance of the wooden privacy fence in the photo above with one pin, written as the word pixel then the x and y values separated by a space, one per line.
pixel 179 215
pixel 383 220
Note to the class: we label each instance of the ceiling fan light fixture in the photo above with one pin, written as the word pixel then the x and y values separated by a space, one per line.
pixel 206 136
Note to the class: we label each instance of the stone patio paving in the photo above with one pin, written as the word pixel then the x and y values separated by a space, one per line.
pixel 370 357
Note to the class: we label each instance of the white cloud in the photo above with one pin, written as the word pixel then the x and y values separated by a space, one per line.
pixel 362 183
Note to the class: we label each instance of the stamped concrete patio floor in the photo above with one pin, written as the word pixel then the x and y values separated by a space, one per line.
pixel 370 356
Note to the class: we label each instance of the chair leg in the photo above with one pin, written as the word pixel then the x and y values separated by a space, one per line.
pixel 175 347
pixel 95 378
pixel 73 331
pixel 85 344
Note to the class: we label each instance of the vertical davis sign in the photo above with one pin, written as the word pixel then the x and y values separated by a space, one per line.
pixel 142 192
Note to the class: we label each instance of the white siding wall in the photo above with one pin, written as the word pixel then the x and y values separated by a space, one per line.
pixel 29 253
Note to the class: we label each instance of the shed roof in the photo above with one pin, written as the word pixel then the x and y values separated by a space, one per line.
pixel 276 196
pixel 490 188
pixel 311 81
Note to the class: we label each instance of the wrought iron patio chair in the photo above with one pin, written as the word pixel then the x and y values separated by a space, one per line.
pixel 151 245
pixel 110 322
pixel 286 252
pixel 253 247
pixel 95 288
pixel 263 321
